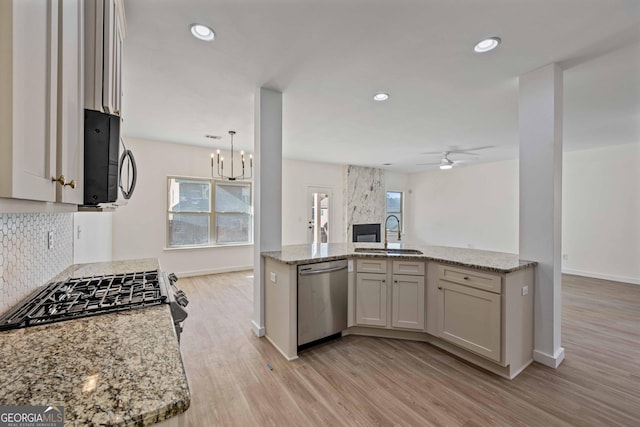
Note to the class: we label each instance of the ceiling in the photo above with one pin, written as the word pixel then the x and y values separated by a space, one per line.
pixel 330 57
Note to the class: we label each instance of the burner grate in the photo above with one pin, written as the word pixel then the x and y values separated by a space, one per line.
pixel 88 296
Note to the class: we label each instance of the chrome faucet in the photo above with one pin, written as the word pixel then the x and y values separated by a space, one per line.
pixel 386 241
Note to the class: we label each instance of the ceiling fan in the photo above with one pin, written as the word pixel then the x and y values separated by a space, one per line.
pixel 446 163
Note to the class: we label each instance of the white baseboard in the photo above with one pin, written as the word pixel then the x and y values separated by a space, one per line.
pixel 612 277
pixel 257 329
pixel 214 271
pixel 549 360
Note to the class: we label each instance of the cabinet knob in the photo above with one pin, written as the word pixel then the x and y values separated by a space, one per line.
pixel 63 181
pixel 439 288
pixel 466 277
pixel 59 180
pixel 383 280
pixel 395 281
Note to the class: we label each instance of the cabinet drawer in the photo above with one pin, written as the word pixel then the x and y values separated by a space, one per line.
pixel 365 265
pixel 474 279
pixel 408 267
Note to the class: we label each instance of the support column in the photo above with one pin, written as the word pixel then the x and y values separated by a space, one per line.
pixel 267 191
pixel 540 132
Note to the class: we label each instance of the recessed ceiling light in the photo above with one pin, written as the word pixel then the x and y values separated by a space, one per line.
pixel 202 32
pixel 487 44
pixel 381 96
pixel 387 164
pixel 213 136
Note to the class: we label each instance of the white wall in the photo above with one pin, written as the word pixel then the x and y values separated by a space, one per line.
pixel 478 205
pixel 139 228
pixel 474 206
pixel 601 213
pixel 297 177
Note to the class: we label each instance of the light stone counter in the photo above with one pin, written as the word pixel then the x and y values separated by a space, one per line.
pixel 497 262
pixel 120 369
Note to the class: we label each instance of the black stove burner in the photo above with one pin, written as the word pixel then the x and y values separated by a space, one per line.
pixel 83 297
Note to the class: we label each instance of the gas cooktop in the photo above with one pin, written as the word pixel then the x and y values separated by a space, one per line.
pixel 87 296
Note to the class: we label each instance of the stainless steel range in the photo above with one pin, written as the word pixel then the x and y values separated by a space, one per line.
pixel 90 296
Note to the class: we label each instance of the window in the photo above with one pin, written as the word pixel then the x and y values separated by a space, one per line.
pixel 394 207
pixel 203 212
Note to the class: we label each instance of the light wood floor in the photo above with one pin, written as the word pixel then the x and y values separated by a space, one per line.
pixel 373 381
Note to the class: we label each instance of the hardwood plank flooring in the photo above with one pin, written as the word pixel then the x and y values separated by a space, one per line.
pixel 362 381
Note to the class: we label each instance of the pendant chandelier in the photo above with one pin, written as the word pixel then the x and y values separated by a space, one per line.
pixel 220 165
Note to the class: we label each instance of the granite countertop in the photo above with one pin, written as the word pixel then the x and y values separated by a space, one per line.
pixel 120 369
pixel 497 262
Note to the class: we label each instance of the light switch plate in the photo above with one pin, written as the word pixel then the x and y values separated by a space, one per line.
pixel 50 240
pixel 525 290
pixel 273 277
pixel 350 265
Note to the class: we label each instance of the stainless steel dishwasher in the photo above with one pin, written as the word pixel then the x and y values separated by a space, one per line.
pixel 322 301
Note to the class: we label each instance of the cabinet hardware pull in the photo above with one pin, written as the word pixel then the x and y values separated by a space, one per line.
pixel 383 281
pixel 59 180
pixel 62 181
pixel 395 281
pixel 440 288
pixel 466 278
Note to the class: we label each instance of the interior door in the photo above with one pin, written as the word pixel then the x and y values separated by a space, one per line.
pixel 319 211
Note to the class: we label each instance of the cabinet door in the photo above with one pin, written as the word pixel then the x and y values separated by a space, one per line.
pixel 470 318
pixel 408 302
pixel 113 36
pixel 371 299
pixel 70 101
pixel 28 83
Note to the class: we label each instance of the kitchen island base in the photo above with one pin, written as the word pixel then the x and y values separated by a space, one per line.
pixel 476 305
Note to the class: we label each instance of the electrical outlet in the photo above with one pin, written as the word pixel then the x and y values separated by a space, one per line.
pixel 50 240
pixel 565 257
pixel 525 290
pixel 273 277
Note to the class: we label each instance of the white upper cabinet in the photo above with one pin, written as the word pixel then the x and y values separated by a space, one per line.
pixel 70 159
pixel 105 31
pixel 28 105
pixel 40 110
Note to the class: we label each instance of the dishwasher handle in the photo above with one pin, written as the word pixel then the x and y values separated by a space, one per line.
pixel 311 272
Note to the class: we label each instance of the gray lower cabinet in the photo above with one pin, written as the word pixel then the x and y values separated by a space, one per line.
pixel 470 318
pixel 400 305
pixel 407 308
pixel 371 299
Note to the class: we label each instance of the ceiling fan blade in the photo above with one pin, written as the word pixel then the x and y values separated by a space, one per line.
pixel 433 153
pixel 427 164
pixel 467 150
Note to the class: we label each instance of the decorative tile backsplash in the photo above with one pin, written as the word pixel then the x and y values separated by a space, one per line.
pixel 365 196
pixel 26 262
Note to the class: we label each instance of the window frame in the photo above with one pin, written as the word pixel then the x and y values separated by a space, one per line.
pixel 214 212
pixel 211 213
pixel 401 212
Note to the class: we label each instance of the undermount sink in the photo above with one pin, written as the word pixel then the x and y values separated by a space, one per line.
pixel 389 251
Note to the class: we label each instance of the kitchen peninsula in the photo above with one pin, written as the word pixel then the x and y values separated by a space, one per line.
pixel 121 368
pixel 475 304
